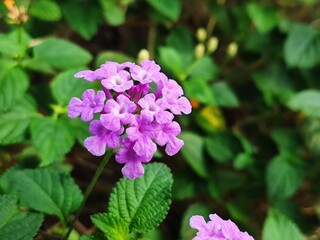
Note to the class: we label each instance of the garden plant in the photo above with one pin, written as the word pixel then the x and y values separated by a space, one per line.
pixel 159 120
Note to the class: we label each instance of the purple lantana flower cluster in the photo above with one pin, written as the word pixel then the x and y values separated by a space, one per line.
pixel 134 112
pixel 217 229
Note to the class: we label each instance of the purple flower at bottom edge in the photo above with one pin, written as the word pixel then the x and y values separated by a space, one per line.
pixel 91 103
pixel 217 228
pixel 102 138
pixel 133 162
pixel 205 230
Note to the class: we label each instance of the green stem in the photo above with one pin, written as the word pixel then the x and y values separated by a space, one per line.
pixel 152 40
pixel 89 190
pixel 19 34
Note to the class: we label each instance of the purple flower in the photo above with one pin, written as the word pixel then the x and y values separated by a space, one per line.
pixel 133 162
pixel 151 109
pixel 147 73
pixel 167 136
pixel 161 81
pixel 87 75
pixel 172 99
pixel 118 81
pixel 205 230
pixel 117 113
pixel 119 66
pixel 172 89
pixel 139 91
pixel 134 115
pixel 217 228
pixel 102 138
pixel 142 132
pixel 91 103
pixel 176 105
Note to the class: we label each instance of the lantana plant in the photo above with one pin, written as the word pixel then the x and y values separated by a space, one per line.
pixel 131 114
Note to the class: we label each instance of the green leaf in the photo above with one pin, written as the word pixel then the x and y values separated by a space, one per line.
pixel 6 180
pixel 181 40
pixel 302 47
pixel 224 181
pixel 45 10
pixel 203 69
pixel 275 83
pixel 13 85
pixel 65 86
pixel 237 212
pixel 257 42
pixel 264 18
pixel 48 191
pixel 223 16
pixel 53 138
pixel 287 139
pixel 224 95
pixel 198 89
pixel 186 232
pixel 290 208
pixel 156 234
pixel 311 134
pixel 13 124
pixel 306 101
pixel 242 161
pixel 279 227
pixel 15 224
pixel 171 59
pixel 112 56
pixel 222 146
pixel 83 18
pixel 169 8
pixel 95 236
pixel 112 225
pixel 192 152
pixel 283 178
pixel 80 129
pixel 9 47
pixel 61 54
pixel 113 13
pixel 245 158
pixel 38 65
pixel 21 37
pixel 144 202
pixel 5 66
pixel 183 187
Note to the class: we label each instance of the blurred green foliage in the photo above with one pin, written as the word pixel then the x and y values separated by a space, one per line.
pixel 250 69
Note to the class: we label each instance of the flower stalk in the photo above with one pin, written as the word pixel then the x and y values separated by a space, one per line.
pixel 89 190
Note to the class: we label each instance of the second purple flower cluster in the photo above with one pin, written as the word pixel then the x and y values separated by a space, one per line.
pixel 136 107
pixel 217 229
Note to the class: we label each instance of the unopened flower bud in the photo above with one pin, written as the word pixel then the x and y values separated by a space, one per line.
pixel 201 34
pixel 199 50
pixel 212 44
pixel 232 49
pixel 143 55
